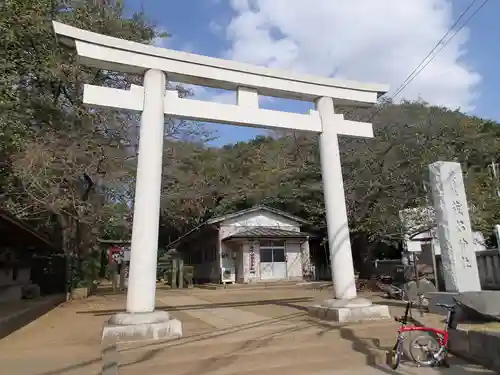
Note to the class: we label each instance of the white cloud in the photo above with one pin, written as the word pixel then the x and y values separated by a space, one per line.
pixel 364 40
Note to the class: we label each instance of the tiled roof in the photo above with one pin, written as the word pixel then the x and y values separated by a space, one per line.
pixel 263 232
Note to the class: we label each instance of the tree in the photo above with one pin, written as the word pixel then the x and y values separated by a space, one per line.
pixel 382 176
pixel 388 172
pixel 65 167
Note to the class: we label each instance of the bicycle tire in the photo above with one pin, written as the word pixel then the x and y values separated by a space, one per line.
pixel 393 358
pixel 414 343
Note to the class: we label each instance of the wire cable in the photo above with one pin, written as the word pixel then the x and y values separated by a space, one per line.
pixel 443 45
pixel 443 42
pixel 415 71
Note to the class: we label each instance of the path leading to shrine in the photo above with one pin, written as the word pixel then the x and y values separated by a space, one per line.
pixel 244 332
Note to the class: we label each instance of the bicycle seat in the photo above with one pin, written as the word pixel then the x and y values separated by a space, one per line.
pixel 447 307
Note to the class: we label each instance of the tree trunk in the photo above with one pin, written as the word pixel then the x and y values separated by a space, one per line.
pixel 69 249
pixel 65 238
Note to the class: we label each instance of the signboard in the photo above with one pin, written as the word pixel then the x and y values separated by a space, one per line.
pixel 118 254
pixel 252 258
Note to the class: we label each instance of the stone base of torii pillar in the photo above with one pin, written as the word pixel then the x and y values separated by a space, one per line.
pixel 156 325
pixel 349 310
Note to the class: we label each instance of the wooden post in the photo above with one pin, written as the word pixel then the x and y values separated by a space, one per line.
pixel 181 273
pixel 122 275
pixel 113 270
pixel 174 273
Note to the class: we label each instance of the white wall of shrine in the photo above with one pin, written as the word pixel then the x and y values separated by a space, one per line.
pixel 248 261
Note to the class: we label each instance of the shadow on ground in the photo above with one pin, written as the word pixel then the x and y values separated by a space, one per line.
pixel 157 347
pixel 214 305
pixel 368 346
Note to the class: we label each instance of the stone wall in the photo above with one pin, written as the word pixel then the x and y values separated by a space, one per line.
pixel 488 264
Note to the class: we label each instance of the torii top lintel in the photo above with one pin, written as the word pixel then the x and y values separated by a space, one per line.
pixel 105 52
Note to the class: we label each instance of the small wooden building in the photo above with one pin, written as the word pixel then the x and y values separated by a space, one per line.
pixel 253 245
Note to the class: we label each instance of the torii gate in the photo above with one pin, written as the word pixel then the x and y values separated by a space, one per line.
pixel 152 99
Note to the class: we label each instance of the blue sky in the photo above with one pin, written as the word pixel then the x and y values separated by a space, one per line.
pixel 337 38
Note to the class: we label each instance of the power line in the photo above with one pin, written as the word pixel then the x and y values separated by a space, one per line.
pixel 436 46
pixel 443 45
pixel 443 42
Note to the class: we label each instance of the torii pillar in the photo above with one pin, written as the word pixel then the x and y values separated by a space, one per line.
pixel 248 82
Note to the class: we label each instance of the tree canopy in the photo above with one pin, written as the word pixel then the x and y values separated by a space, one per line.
pixel 65 168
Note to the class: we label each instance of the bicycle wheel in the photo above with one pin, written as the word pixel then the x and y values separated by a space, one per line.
pixel 393 358
pixel 422 350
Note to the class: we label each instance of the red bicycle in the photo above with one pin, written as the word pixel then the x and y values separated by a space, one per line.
pixel 429 348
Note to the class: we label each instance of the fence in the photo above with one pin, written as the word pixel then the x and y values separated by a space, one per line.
pixel 382 267
pixel 488 264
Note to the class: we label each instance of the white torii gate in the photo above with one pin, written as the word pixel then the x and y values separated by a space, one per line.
pixel 152 99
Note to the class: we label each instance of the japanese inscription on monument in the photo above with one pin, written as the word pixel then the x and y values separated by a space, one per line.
pixel 454 228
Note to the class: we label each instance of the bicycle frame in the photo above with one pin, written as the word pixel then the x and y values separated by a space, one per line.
pixel 441 334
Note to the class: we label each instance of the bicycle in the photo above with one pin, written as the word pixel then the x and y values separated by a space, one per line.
pixel 435 351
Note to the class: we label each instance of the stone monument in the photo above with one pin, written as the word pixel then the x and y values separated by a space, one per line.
pixel 454 232
pixel 453 228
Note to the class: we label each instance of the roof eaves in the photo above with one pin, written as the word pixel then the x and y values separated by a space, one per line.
pixel 4 215
pixel 254 209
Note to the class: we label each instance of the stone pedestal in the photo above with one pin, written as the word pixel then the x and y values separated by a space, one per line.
pixel 155 325
pixel 349 310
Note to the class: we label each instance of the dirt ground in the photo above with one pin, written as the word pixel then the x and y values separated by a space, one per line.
pixel 67 339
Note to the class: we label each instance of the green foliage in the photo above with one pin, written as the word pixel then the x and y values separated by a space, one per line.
pixel 64 167
pixel 382 175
